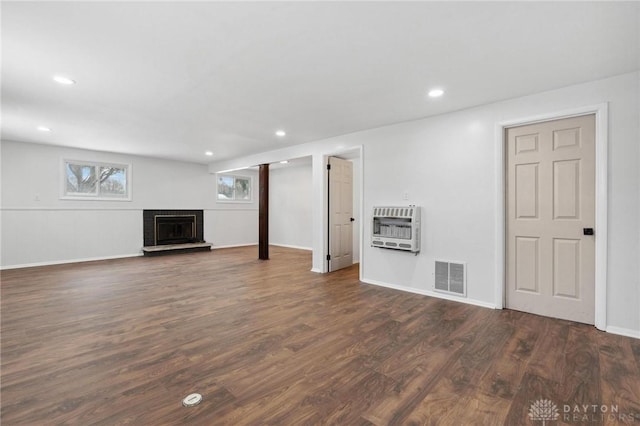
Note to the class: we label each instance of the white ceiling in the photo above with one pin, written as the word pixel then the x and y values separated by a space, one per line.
pixel 175 79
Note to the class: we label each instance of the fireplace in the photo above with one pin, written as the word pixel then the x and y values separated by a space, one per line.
pixel 169 227
pixel 178 229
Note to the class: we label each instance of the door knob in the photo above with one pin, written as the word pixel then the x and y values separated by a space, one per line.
pixel 352 219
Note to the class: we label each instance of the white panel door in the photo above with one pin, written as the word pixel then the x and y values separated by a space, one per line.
pixel 550 202
pixel 340 213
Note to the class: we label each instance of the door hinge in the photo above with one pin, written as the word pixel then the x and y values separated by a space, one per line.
pixel 328 166
pixel 328 257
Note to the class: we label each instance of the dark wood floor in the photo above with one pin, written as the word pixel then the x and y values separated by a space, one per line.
pixel 268 342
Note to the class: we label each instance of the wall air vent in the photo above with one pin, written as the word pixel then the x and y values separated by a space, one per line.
pixel 451 277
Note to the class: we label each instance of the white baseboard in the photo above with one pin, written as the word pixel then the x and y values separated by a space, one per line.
pixel 430 293
pixel 291 246
pixel 255 244
pixel 627 332
pixel 63 262
pixel 214 247
pixel 316 270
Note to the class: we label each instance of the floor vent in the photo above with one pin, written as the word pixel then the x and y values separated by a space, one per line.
pixel 451 277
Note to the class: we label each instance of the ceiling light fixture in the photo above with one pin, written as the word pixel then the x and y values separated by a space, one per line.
pixel 63 80
pixel 284 162
pixel 281 133
pixel 208 153
pixel 43 128
pixel 436 93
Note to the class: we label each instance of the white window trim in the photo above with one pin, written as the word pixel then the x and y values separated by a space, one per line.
pixel 63 180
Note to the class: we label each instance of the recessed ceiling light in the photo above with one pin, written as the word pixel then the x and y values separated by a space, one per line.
pixel 43 128
pixel 281 133
pixel 436 93
pixel 63 80
pixel 284 162
pixel 209 153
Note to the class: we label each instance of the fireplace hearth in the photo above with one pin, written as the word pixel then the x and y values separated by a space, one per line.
pixel 166 231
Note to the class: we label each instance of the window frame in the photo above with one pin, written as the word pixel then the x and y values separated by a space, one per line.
pixel 96 196
pixel 234 199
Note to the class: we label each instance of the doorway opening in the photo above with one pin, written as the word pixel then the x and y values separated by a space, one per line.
pixel 343 209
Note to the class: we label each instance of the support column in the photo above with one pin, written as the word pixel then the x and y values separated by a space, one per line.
pixel 263 213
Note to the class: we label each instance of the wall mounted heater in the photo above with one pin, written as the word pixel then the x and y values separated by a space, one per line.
pixel 396 228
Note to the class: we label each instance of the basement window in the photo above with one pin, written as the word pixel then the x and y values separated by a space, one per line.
pixel 85 180
pixel 234 188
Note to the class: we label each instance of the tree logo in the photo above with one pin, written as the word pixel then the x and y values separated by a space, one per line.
pixel 543 409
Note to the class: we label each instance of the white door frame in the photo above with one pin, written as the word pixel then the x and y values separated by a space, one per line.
pixel 602 143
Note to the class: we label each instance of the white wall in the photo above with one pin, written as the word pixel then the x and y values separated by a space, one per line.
pixel 448 164
pixel 39 228
pixel 233 224
pixel 290 197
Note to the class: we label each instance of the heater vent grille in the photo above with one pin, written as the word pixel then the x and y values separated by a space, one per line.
pixel 451 277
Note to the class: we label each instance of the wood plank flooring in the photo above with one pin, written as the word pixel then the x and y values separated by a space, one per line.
pixel 268 342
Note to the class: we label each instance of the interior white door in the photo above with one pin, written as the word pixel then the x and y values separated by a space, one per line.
pixel 340 213
pixel 550 210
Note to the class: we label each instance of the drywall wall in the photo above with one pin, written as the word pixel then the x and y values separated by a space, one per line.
pixel 233 223
pixel 449 165
pixel 290 206
pixel 39 228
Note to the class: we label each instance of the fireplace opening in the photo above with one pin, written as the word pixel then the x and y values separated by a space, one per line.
pixel 168 230
pixel 175 229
